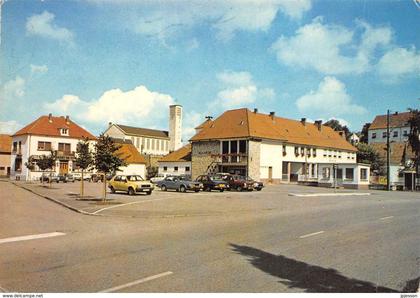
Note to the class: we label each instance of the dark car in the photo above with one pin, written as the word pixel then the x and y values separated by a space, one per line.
pixel 212 183
pixel 256 184
pixel 236 182
pixel 179 183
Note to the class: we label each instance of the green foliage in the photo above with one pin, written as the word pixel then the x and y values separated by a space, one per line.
pixel 105 159
pixel 84 158
pixel 366 154
pixel 47 161
pixel 30 164
pixel 364 133
pixel 336 125
pixel 414 136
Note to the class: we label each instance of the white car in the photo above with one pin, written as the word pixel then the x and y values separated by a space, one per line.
pixel 78 176
pixel 158 177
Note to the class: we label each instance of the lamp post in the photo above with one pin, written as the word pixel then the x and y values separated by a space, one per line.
pixel 388 151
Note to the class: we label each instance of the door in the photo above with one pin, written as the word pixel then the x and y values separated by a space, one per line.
pixel 408 178
pixel 270 174
pixel 64 167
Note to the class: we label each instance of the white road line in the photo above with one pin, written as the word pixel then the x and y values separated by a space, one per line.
pixel 312 234
pixel 136 282
pixel 330 194
pixel 387 217
pixel 120 205
pixel 31 237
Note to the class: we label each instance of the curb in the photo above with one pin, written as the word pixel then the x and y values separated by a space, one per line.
pixel 56 201
pixel 330 194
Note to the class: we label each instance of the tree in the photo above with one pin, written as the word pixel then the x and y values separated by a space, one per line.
pixel 414 136
pixel 30 165
pixel 364 133
pixel 47 162
pixel 105 158
pixel 84 160
pixel 336 125
pixel 367 154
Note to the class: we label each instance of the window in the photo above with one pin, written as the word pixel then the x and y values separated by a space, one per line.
pixel 64 147
pixel 2 168
pixel 242 146
pixel 363 174
pixel 175 169
pixel 187 169
pixel 374 135
pixel 44 146
pixel 349 174
pixel 18 164
pixel 147 143
pixel 296 151
pixel 329 153
pixel 284 150
pixel 325 153
pixel 64 132
pixel 339 173
pixel 326 173
pixel 153 144
pixel 225 150
pixel 14 146
pixel 405 134
pixel 395 134
pixel 335 153
pixel 165 169
pixel 308 152
pixel 143 143
pixel 339 154
pixel 314 152
pixel 384 134
pixel 137 142
pixel 302 151
pixel 166 145
pixel 117 178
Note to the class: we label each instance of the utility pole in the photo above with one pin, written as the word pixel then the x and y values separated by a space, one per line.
pixel 388 151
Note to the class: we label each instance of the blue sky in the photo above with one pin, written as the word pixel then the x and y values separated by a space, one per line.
pixel 126 61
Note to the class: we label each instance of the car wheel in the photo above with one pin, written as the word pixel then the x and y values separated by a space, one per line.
pixel 182 188
pixel 239 188
pixel 197 190
pixel 222 190
pixel 131 191
pixel 163 187
pixel 208 188
pixel 148 193
pixel 259 189
pixel 112 189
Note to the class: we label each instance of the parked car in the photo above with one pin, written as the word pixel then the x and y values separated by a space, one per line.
pixel 65 178
pixel 47 176
pixel 78 176
pixel 236 182
pixel 157 178
pixel 212 183
pixel 179 183
pixel 256 184
pixel 97 178
pixel 131 184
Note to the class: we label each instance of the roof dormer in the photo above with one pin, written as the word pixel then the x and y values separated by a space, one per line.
pixel 64 131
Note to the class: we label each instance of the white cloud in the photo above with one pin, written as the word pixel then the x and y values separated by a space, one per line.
pixel 38 68
pixel 398 63
pixel 43 25
pixel 191 120
pixel 325 47
pixel 329 100
pixel 239 90
pixel 152 18
pixel 9 127
pixel 139 106
pixel 13 89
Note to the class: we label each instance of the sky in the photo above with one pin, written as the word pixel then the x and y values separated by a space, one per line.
pixel 124 61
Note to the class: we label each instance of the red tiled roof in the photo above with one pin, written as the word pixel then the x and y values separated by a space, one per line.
pixel 42 126
pixel 182 154
pixel 242 123
pixel 5 144
pixel 130 154
pixel 399 152
pixel 395 120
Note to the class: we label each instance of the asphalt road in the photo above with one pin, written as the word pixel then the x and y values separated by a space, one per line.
pixel 262 242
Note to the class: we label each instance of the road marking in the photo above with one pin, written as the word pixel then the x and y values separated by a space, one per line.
pixel 312 234
pixel 387 217
pixel 330 194
pixel 31 237
pixel 136 282
pixel 120 205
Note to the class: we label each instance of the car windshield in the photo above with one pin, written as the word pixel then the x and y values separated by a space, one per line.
pixel 134 178
pixel 218 177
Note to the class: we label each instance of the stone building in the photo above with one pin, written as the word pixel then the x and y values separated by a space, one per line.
pixel 274 150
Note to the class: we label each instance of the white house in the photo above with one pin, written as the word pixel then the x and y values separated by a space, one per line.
pixel 38 138
pixel 276 150
pixel 152 141
pixel 399 128
pixel 136 163
pixel 177 162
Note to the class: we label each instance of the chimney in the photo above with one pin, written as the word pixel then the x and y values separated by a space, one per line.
pixel 67 119
pixel 175 127
pixel 109 123
pixel 342 134
pixel 318 124
pixel 255 110
pixel 50 118
pixel 272 114
pixel 208 118
pixel 396 113
pixel 303 121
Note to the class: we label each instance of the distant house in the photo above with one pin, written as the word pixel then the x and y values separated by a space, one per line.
pixel 399 128
pixel 354 139
pixel 5 152
pixel 276 150
pixel 136 163
pixel 177 162
pixel 40 137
